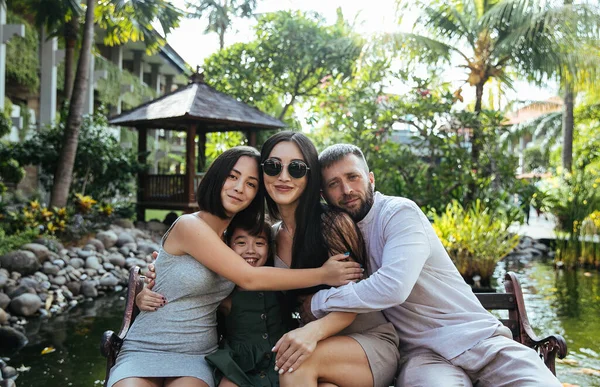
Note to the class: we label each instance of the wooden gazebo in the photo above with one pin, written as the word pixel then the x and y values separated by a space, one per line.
pixel 196 109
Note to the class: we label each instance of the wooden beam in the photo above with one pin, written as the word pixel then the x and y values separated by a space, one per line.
pixel 251 136
pixel 142 151
pixel 201 151
pixel 190 163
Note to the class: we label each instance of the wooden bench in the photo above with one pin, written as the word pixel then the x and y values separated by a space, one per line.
pixel 548 347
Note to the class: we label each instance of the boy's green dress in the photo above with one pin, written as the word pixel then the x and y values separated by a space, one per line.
pixel 252 328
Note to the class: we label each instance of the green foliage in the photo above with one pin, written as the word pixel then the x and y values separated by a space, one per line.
pixel 22 58
pixel 13 241
pixel 536 159
pixel 10 170
pixel 291 55
pixel 219 142
pixel 102 168
pixel 476 238
pixel 434 164
pixel 109 88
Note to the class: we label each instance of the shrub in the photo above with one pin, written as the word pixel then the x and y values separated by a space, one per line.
pixel 14 241
pixel 476 239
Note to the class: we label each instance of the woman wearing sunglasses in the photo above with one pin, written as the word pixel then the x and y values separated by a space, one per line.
pixel 365 354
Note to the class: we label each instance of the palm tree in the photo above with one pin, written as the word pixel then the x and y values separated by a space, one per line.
pixel 123 21
pixel 64 169
pixel 489 37
pixel 220 13
pixel 124 18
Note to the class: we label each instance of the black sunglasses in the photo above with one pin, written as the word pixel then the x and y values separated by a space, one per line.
pixel 297 168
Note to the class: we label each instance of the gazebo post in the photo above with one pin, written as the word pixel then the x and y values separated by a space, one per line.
pixel 201 151
pixel 251 136
pixel 190 165
pixel 142 152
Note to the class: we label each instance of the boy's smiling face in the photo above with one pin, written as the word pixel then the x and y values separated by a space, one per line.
pixel 254 249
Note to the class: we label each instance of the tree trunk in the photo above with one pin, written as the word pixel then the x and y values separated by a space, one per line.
pixel 221 38
pixel 71 35
pixel 568 124
pixel 64 169
pixel 475 143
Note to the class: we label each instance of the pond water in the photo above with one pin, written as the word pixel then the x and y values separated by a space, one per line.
pixel 557 302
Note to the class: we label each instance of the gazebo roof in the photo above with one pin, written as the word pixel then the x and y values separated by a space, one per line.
pixel 198 103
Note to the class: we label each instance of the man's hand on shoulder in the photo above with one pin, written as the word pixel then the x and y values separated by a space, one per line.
pixel 305 309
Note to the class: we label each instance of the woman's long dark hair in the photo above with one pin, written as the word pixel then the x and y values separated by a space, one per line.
pixel 308 247
pixel 319 233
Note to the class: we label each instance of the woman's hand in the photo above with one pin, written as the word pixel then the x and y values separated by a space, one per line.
pixel 148 300
pixel 338 270
pixel 295 347
pixel 150 274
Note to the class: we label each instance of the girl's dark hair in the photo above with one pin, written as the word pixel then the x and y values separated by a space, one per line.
pixel 208 194
pixel 308 247
pixel 252 229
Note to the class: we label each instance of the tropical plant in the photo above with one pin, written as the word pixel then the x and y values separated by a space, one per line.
pixel 476 239
pixel 490 37
pixel 220 14
pixel 102 168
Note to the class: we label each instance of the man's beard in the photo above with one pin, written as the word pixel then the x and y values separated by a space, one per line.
pixel 365 206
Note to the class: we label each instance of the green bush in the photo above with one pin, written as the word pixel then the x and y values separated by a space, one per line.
pixel 476 239
pixel 14 241
pixel 103 169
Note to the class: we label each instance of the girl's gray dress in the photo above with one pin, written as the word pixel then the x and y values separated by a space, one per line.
pixel 172 341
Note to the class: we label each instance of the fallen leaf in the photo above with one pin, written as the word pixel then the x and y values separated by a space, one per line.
pixel 589 371
pixel 568 361
pixel 22 368
pixel 48 350
pixel 570 385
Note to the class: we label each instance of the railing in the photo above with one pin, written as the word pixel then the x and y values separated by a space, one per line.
pixel 167 188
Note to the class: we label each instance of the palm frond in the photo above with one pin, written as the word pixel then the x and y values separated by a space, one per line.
pixel 423 47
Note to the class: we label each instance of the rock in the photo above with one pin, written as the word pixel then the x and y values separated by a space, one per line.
pixel 86 253
pixel 77 263
pixel 155 226
pixel 21 289
pixel 3 317
pixel 11 339
pixel 9 372
pixel 30 282
pixel 50 268
pixel 88 289
pixel 109 280
pixel 108 266
pixel 534 252
pixel 59 281
pixel 131 262
pixel 60 263
pixel 89 247
pixel 124 238
pixel 138 234
pixel 4 301
pixel 124 250
pixel 540 246
pixel 74 287
pixel 125 223
pixel 117 259
pixel 40 277
pixel 108 238
pixel 21 261
pixel 97 244
pixel 41 252
pixel 25 305
pixel 3 280
pixel 146 247
pixel 93 263
pixel 8 383
pixel 551 254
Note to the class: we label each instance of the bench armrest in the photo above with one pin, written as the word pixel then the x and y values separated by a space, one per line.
pixel 548 347
pixel 110 345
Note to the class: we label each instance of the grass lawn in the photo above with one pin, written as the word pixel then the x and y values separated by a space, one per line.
pixel 159 214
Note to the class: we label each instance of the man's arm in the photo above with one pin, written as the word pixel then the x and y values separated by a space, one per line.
pixel 407 248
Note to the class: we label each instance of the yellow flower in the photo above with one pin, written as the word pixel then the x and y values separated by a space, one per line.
pixel 28 214
pixel 34 205
pixel 85 203
pixel 46 214
pixel 51 228
pixel 61 212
